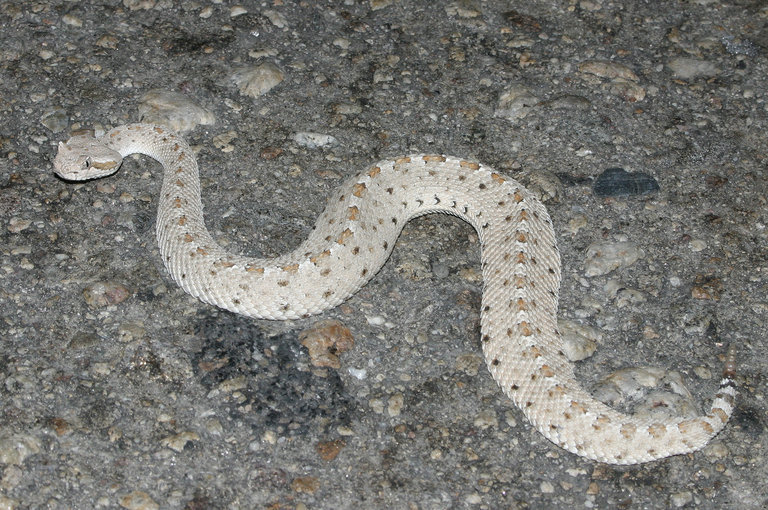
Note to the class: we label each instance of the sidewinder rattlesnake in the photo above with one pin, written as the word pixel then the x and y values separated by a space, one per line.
pixel 352 239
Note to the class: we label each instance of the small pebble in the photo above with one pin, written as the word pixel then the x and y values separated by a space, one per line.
pixel 55 119
pixel 101 294
pixel 690 68
pixel 237 10
pixel 305 484
pixel 515 103
pixel 469 364
pixel 602 258
pixel 680 499
pixel 174 110
pixel 269 437
pixel 358 373
pixel 717 450
pixel 395 404
pixel 347 109
pixel 229 386
pixel 607 69
pixel 138 500
pixel 222 141
pixel 375 320
pixel 72 20
pixel 377 406
pixel 342 43
pixel 473 499
pixel 107 41
pixel 214 427
pixel 16 225
pixel 329 450
pixel 179 441
pixel 702 372
pixel 15 448
pixel 382 76
pixel 314 140
pixel 276 18
pixel 628 381
pixel 257 80
pixel 623 81
pixel 325 340
pixel 380 4
pixel 697 245
pixel 486 419
pixel 462 9
pixel 579 341
pixel 135 5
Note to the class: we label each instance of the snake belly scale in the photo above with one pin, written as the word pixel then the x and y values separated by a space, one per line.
pixel 355 235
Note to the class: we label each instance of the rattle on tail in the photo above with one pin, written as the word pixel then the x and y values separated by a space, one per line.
pixel 352 239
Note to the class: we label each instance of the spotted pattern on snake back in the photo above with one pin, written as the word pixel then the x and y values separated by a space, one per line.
pixel 355 235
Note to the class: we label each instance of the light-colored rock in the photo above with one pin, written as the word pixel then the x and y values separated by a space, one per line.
pixel 314 140
pixel 257 80
pixel 16 225
pixel 101 294
pixel 579 341
pixel 607 69
pixel 174 110
pixel 654 392
pixel 138 500
pixel 602 258
pixel 690 68
pixel 177 442
pixel 515 103
pixel 237 10
pixel 136 5
pixel 469 363
pixel 486 419
pixel 395 404
pixel 15 448
pixel 276 18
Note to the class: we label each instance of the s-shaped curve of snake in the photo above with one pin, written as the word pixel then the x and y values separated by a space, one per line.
pixel 352 239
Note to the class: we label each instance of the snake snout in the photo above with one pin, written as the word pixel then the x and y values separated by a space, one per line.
pixel 83 158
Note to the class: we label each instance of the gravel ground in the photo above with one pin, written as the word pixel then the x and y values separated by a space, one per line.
pixel 120 391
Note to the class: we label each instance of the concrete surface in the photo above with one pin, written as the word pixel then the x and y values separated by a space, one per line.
pixel 120 391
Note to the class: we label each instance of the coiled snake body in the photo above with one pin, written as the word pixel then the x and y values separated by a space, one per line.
pixel 352 239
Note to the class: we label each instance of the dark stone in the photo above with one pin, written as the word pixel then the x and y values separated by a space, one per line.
pixel 617 182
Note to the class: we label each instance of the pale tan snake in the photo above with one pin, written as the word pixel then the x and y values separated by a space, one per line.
pixel 353 238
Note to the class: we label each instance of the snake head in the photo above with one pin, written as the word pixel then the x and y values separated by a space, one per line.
pixel 84 157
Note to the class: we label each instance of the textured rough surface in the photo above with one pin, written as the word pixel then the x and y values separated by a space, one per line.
pixel 353 238
pixel 109 371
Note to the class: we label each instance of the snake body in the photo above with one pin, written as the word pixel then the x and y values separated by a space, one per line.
pixel 353 238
